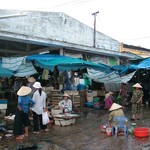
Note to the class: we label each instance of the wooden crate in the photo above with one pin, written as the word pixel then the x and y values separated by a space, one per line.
pixel 55 97
pixel 70 93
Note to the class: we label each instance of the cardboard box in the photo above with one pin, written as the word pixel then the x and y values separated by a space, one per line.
pixel 100 93
pixel 89 98
pixel 94 93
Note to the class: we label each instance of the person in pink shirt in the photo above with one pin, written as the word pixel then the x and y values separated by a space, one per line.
pixel 108 100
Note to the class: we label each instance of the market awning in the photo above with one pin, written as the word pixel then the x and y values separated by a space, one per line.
pixel 19 66
pixel 65 63
pixel 112 77
pixel 5 72
pixel 144 64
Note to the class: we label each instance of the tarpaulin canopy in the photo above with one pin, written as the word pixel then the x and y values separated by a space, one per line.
pixel 112 77
pixel 119 67
pixel 49 62
pixel 145 64
pixel 19 66
pixel 5 72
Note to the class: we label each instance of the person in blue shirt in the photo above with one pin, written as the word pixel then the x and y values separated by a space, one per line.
pixel 21 120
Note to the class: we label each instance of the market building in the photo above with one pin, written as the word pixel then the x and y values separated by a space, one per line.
pixel 23 33
pixel 29 32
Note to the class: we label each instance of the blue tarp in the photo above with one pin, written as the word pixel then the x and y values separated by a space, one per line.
pixel 48 61
pixel 119 67
pixel 145 64
pixel 5 72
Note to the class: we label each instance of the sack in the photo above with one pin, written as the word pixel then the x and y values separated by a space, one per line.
pixel 45 118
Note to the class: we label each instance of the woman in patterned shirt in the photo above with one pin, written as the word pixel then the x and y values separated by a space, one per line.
pixel 136 101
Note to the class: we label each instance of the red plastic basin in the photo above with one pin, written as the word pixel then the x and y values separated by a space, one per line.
pixel 141 132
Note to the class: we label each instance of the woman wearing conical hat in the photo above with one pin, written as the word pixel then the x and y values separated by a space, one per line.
pixel 66 104
pixel 115 111
pixel 21 117
pixel 136 101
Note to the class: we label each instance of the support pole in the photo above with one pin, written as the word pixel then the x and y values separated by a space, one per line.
pixel 94 36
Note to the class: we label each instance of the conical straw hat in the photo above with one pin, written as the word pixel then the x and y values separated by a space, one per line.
pixel 66 95
pixel 137 85
pixel 115 106
pixel 31 79
pixel 24 90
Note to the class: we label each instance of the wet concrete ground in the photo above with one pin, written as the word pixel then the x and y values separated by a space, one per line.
pixel 84 135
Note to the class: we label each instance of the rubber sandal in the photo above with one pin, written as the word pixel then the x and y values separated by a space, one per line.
pixel 36 132
pixel 46 130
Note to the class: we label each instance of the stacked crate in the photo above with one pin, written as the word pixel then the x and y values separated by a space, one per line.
pixel 55 97
pixel 76 100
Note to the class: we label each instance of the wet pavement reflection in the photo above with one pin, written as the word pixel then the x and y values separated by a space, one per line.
pixel 85 134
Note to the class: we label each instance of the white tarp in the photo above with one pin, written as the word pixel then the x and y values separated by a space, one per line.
pixel 12 63
pixel 26 69
pixel 112 77
pixel 19 65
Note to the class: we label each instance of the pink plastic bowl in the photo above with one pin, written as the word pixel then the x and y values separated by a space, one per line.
pixel 102 128
pixel 141 132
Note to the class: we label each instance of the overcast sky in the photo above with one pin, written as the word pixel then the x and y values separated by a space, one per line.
pixel 127 21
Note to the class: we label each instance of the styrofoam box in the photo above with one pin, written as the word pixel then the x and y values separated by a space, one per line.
pixel 64 122
pixel 3 104
pixel 55 112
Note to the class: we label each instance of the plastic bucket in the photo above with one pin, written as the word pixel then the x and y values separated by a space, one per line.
pixel 81 87
pixel 141 132
pixel 95 100
pixel 89 104
pixel 96 103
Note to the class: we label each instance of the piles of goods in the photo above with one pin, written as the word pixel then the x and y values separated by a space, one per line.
pixel 96 103
pixel 106 129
